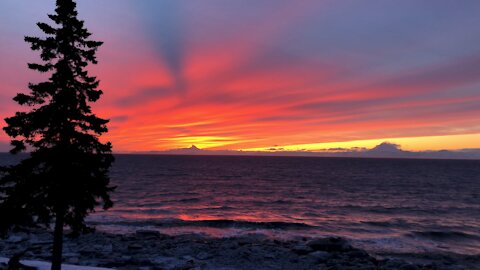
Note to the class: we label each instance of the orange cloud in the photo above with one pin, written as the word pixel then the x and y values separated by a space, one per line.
pixel 287 74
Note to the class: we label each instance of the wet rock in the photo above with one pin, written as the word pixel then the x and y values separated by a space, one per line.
pixel 270 255
pixel 40 242
pixel 107 248
pixel 331 244
pixel 189 265
pixel 115 264
pixel 162 262
pixel 294 260
pixel 70 254
pixel 188 258
pixel 392 264
pixel 125 258
pixel 87 251
pixel 72 260
pixel 203 256
pixel 320 256
pixel 15 239
pixel 29 254
pixel 148 233
pixel 140 260
pixel 197 252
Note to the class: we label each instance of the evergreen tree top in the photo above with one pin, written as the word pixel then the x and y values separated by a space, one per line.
pixel 66 174
pixel 66 51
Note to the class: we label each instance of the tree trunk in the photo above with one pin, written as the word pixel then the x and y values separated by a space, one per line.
pixel 58 241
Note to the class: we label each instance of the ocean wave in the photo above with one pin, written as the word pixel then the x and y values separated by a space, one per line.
pixel 224 207
pixel 217 223
pixel 186 200
pixel 281 201
pixel 136 211
pixel 444 235
pixel 175 194
pixel 399 223
pixel 227 223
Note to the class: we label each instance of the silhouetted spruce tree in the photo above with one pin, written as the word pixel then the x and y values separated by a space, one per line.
pixel 66 174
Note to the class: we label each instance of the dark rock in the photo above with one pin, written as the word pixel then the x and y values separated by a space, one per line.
pixel 125 258
pixel 301 249
pixel 87 251
pixel 140 261
pixel 70 254
pixel 358 253
pixel 40 242
pixel 14 263
pixel 148 233
pixel 320 256
pixel 135 246
pixel 145 249
pixel 270 256
pixel 243 242
pixel 15 239
pixel 72 260
pixel 162 262
pixel 187 266
pixel 203 256
pixel 331 244
pixel 187 258
pixel 409 267
pixel 392 264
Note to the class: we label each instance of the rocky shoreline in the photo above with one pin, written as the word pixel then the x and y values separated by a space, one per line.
pixel 151 250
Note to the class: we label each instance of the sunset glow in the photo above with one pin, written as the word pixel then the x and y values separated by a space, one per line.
pixel 252 76
pixel 450 142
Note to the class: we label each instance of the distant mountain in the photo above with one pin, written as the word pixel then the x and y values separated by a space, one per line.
pixel 390 150
pixel 383 150
pixel 386 150
pixel 193 150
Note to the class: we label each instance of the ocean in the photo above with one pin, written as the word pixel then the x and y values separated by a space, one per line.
pixel 382 205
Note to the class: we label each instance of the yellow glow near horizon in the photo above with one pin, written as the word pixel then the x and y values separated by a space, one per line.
pixel 448 142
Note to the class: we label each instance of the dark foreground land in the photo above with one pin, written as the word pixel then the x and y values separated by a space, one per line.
pixel 149 250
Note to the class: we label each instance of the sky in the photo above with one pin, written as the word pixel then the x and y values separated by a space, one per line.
pixel 256 75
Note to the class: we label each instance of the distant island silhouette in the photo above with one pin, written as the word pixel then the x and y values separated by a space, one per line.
pixel 383 150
